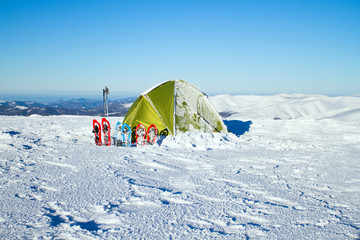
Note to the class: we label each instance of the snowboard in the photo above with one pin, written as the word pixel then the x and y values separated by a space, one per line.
pixel 118 137
pixel 106 130
pixel 126 135
pixel 140 135
pixel 152 133
pixel 97 132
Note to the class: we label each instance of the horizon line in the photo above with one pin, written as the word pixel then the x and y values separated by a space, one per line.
pixel 45 96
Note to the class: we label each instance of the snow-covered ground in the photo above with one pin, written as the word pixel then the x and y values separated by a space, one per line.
pixel 292 172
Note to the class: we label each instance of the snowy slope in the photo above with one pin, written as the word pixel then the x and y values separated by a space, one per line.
pixel 285 106
pixel 295 178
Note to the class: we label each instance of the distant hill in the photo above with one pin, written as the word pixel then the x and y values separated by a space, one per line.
pixel 287 106
pixel 79 106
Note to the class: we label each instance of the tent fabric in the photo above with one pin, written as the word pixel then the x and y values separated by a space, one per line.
pixel 175 106
pixel 162 98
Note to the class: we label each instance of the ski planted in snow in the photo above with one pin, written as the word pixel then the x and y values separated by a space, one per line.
pixel 97 132
pixel 140 135
pixel 106 130
pixel 152 134
pixel 126 135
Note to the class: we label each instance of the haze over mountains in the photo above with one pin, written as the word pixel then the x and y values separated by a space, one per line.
pixel 79 106
pixel 280 106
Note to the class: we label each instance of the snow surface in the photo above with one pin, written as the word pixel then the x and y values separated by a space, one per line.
pixel 297 177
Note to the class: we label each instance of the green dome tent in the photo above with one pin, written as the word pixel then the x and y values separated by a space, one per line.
pixel 175 106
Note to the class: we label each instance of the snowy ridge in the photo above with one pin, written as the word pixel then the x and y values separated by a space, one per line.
pixel 286 106
pixel 268 179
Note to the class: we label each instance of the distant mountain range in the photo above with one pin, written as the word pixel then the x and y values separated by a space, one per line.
pixel 79 106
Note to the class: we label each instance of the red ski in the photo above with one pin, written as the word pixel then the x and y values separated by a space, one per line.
pixel 106 130
pixel 97 132
pixel 152 133
pixel 140 135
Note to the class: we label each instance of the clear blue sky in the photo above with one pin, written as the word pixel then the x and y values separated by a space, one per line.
pixel 222 46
